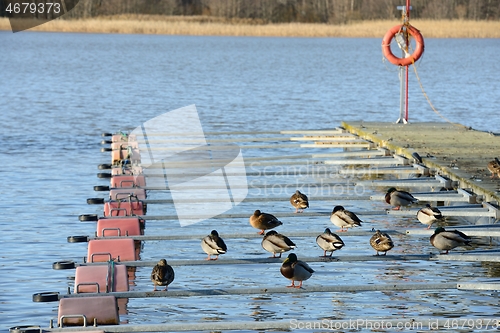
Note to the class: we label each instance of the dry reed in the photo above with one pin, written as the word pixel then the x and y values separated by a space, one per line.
pixel 142 24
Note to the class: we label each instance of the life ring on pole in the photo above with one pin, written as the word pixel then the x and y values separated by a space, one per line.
pixel 412 58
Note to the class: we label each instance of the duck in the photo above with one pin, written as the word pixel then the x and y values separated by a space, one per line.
pixel 213 245
pixel 264 221
pixel 381 242
pixel 494 168
pixel 162 274
pixel 344 219
pixel 277 243
pixel 295 270
pixel 329 242
pixel 399 198
pixel 428 215
pixel 300 201
pixel 446 240
pixel 416 158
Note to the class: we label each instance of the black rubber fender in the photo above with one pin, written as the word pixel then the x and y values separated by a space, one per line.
pixel 105 166
pixel 88 217
pixel 67 264
pixel 50 296
pixel 104 150
pixel 25 329
pixel 101 188
pixel 78 239
pixel 104 175
pixel 106 134
pixel 106 142
pixel 95 201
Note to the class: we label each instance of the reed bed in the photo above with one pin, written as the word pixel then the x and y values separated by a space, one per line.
pixel 198 26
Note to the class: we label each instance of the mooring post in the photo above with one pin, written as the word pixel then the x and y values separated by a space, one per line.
pixel 403 91
pixel 403 118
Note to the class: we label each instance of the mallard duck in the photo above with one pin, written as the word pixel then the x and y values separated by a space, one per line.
pixel 213 245
pixel 344 219
pixel 162 274
pixel 295 270
pixel 329 242
pixel 428 215
pixel 416 158
pixel 299 201
pixel 446 240
pixel 277 243
pixel 381 242
pixel 264 221
pixel 398 198
pixel 494 168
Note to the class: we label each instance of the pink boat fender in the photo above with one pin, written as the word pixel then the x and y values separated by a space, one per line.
pixel 124 146
pixel 119 227
pixel 122 249
pixel 125 153
pixel 95 279
pixel 128 181
pixel 123 137
pixel 141 221
pixel 120 208
pixel 130 170
pixel 123 193
pixel 84 311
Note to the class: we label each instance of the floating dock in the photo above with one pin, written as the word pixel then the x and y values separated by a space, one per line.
pixel 374 156
pixel 454 150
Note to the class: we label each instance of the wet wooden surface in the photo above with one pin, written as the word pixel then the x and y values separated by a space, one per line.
pixel 456 151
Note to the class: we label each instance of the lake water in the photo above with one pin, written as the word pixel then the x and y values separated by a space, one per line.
pixel 60 91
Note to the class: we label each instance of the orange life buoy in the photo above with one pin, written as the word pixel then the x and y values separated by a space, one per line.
pixel 386 46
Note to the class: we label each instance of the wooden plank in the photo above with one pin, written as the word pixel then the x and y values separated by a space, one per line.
pixel 267 260
pixel 453 196
pixel 364 161
pixel 285 132
pixel 483 232
pixel 253 199
pixel 346 144
pixel 487 257
pixel 354 323
pixel 203 140
pixel 292 234
pixel 271 290
pixel 246 216
pixel 282 186
pixel 380 171
pixel 411 182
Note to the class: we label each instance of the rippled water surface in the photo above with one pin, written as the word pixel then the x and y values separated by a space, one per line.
pixel 60 91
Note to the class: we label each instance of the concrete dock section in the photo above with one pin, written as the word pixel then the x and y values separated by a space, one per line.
pixel 452 150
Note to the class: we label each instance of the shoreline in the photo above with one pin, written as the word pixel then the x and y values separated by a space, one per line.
pixel 208 26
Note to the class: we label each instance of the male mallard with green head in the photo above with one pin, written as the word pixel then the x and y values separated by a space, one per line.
pixel 428 215
pixel 344 219
pixel 399 198
pixel 213 245
pixel 162 274
pixel 300 201
pixel 277 243
pixel 295 270
pixel 329 242
pixel 446 240
pixel 264 221
pixel 381 242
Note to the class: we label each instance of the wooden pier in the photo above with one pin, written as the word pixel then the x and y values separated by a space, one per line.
pixel 454 150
